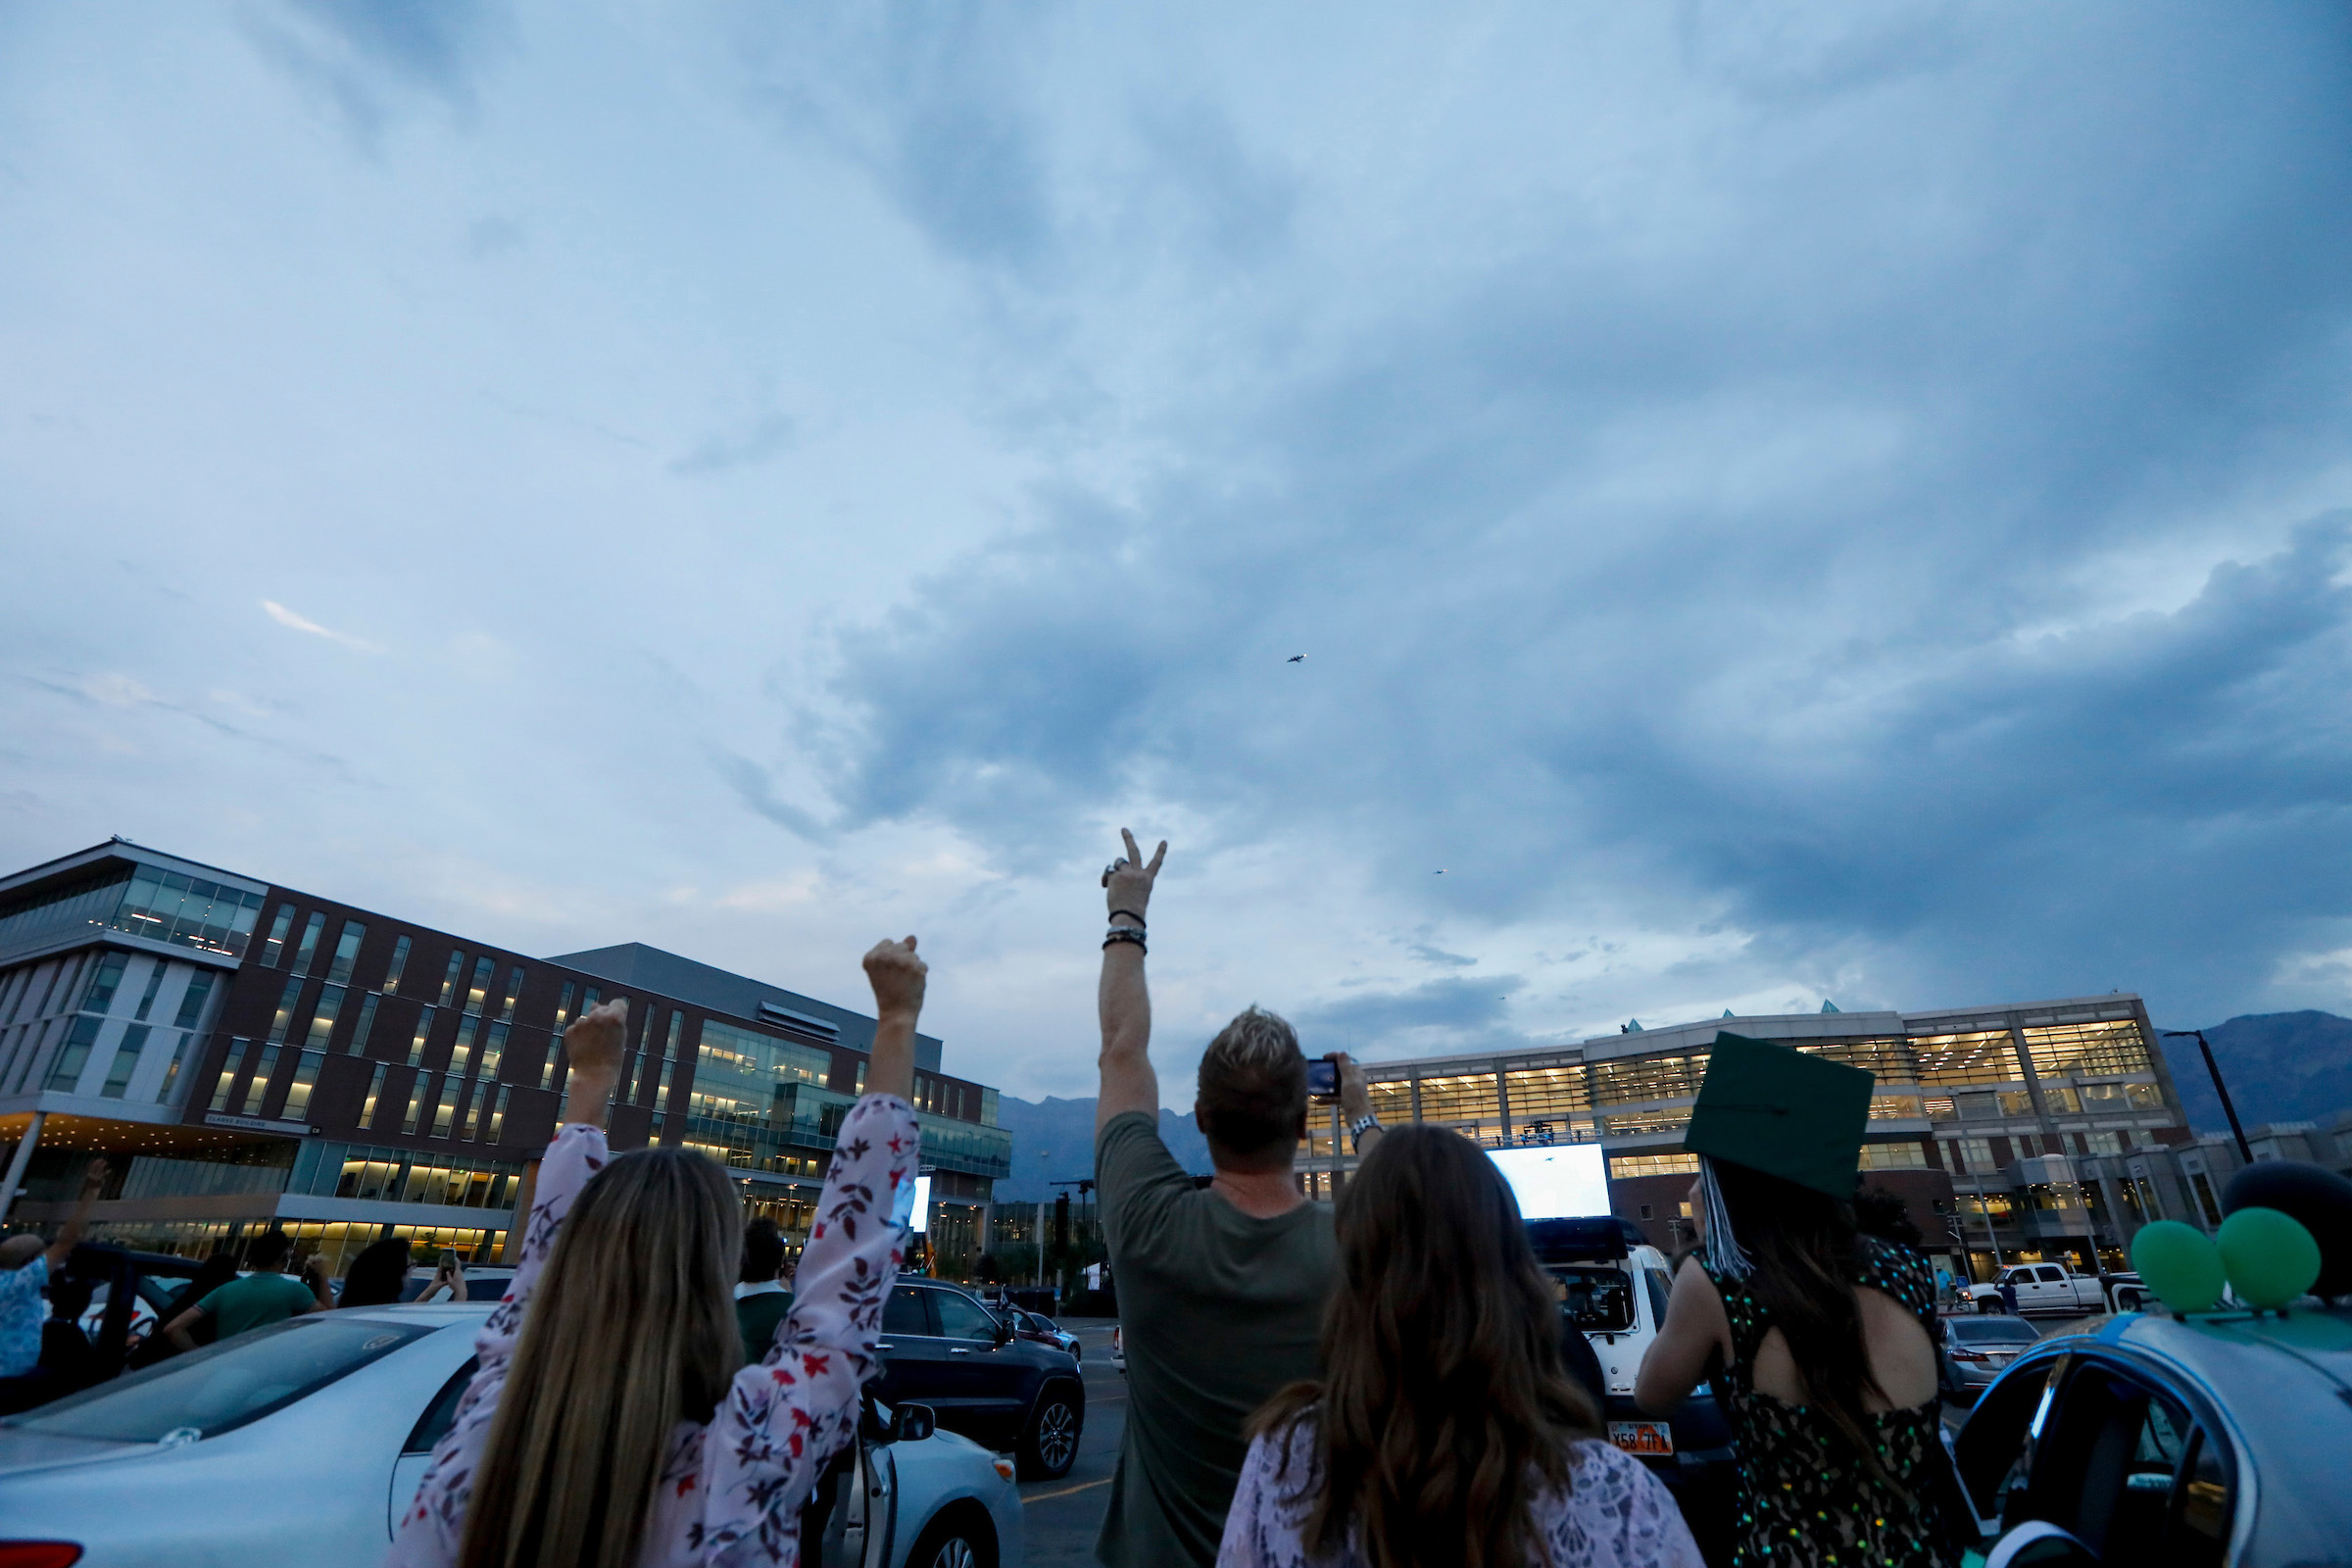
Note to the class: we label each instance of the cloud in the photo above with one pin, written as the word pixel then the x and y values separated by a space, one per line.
pixel 770 437
pixel 287 617
pixel 367 60
pixel 753 786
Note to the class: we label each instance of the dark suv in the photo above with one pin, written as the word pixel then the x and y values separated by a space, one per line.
pixel 941 1348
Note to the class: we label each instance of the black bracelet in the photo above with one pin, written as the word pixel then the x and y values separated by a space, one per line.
pixel 1124 932
pixel 1140 921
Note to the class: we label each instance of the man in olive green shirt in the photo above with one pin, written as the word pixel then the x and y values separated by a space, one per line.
pixel 1220 1289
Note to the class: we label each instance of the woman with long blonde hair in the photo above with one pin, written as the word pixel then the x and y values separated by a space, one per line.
pixel 609 1425
pixel 1444 1431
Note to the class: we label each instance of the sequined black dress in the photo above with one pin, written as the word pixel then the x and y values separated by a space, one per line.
pixel 1805 1498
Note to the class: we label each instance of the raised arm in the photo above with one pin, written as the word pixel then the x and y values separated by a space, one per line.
pixel 92 1179
pixel 1124 999
pixel 787 1416
pixel 430 1530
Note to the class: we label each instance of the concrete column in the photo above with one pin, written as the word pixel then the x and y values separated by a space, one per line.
pixel 20 1160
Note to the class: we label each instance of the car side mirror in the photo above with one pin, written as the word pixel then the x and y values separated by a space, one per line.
pixel 1004 1332
pixel 911 1423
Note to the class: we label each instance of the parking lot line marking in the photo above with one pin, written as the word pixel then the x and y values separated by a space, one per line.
pixel 1066 1492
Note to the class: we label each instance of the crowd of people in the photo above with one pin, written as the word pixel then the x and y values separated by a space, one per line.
pixel 1383 1381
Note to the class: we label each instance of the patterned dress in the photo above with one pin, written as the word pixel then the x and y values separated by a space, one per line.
pixel 1614 1514
pixel 731 1491
pixel 1805 1498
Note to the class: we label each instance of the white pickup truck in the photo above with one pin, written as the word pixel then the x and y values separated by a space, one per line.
pixel 2055 1288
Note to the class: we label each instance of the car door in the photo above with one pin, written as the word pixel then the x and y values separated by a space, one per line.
pixel 913 1354
pixel 2055 1294
pixel 986 1372
pixel 2127 1469
pixel 408 1471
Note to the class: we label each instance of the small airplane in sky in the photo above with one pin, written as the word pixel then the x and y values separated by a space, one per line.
pixel 1296 658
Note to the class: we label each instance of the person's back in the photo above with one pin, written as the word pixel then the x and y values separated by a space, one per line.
pixel 1819 1340
pixel 1442 1428
pixel 762 1299
pixel 1221 1288
pixel 263 1297
pixel 377 1275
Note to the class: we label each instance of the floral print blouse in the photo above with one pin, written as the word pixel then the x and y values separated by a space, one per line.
pixel 732 1490
pixel 1614 1513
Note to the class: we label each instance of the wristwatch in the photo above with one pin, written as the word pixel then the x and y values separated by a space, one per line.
pixel 1359 1127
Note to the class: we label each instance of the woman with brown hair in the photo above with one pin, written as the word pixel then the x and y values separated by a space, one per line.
pixel 609 1425
pixel 1444 1429
pixel 1820 1340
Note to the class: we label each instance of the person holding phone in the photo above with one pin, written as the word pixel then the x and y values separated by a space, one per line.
pixel 449 1280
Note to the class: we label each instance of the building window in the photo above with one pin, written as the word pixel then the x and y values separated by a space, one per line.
pixel 127 1059
pixel 425 1029
pixel 448 981
pixel 1623 1166
pixel 323 1017
pixel 155 983
pixel 1893 1157
pixel 400 962
pixel 505 1011
pixel 419 1095
pixel 1885 1108
pixel 376 1090
pixel 494 1050
pixel 445 1113
pixel 469 1025
pixel 2102 1143
pixel 306 1079
pixel 1548 1094
pixel 365 1026
pixel 468 1108
pixel 1467 1096
pixel 308 952
pixel 563 1005
pixel 2144 1097
pixel 284 1018
pixel 347 951
pixel 1621 1083
pixel 259 1088
pixel 275 948
pixel 2205 1200
pixel 483 968
pixel 192 1000
pixel 103 981
pixel 1976 1056
pixel 1975 1154
pixel 65 1071
pixel 2061 1101
pixel 549 1064
pixel 228 1073
pixel 498 1114
pixel 2087 1047
pixel 180 1055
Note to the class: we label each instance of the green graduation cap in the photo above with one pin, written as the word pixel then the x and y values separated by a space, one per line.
pixel 1781 1111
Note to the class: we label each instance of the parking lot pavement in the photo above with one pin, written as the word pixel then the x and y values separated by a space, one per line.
pixel 1062 1517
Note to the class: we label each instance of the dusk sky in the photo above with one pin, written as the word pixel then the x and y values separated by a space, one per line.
pixel 1848 501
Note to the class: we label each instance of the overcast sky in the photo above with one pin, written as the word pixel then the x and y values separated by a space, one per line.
pixel 1778 503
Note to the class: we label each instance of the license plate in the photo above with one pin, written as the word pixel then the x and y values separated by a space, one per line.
pixel 1653 1439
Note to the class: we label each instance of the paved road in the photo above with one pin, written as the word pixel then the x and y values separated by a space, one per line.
pixel 1062 1516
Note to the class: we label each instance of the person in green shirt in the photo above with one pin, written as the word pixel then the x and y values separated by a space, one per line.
pixel 1221 1288
pixel 762 1299
pixel 260 1299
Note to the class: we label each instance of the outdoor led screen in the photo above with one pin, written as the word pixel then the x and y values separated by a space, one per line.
pixel 1555 1183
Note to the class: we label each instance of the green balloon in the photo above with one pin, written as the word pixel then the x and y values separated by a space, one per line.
pixel 2180 1263
pixel 2270 1258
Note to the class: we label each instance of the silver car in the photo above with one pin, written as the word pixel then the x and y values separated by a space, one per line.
pixel 301 1443
pixel 1975 1351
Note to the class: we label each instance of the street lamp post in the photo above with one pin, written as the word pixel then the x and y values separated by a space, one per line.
pixel 2245 1151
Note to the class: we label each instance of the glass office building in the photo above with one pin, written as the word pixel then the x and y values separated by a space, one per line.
pixel 249 1057
pixel 2003 1128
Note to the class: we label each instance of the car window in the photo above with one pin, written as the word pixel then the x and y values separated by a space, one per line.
pixel 442 1414
pixel 905 1312
pixel 1661 1290
pixel 963 1318
pixel 1598 1299
pixel 2050 1275
pixel 222 1387
pixel 2123 1472
pixel 1996 1329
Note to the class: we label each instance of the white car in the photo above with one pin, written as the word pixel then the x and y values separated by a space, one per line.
pixel 2045 1288
pixel 334 1414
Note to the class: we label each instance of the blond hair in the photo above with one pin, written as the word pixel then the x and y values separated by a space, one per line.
pixel 630 1331
pixel 1253 1093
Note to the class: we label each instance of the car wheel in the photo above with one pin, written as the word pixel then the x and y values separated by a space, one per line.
pixel 1984 1306
pixel 1051 1444
pixel 2128 1301
pixel 954 1541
